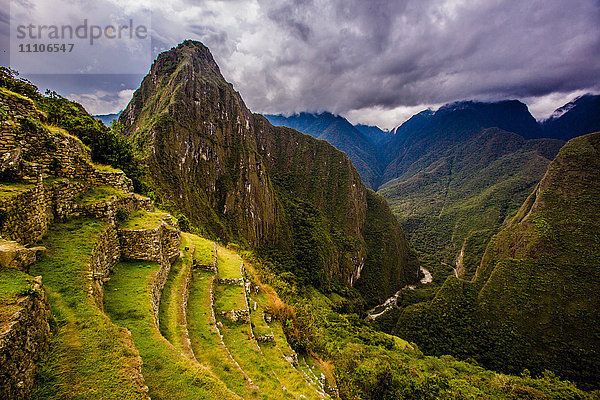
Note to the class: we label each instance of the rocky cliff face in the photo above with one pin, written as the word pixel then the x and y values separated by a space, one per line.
pixel 197 135
pixel 240 178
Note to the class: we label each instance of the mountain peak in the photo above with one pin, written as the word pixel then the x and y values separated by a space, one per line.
pixel 189 52
pixel 578 117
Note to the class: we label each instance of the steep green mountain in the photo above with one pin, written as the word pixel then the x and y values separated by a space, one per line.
pixel 465 191
pixel 375 134
pixel 576 118
pixel 533 302
pixel 296 199
pixel 343 136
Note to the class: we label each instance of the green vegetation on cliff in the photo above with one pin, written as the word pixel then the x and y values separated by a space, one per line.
pixel 532 303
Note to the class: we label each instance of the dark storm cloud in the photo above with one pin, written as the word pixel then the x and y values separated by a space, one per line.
pixel 352 54
pixel 380 55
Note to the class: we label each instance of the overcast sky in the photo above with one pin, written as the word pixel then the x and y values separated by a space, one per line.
pixel 373 61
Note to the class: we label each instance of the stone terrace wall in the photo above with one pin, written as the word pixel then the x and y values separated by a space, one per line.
pixel 160 244
pixel 157 287
pixel 170 240
pixel 153 244
pixel 64 193
pixel 26 215
pixel 107 210
pixel 58 153
pixel 105 256
pixel 116 179
pixel 21 343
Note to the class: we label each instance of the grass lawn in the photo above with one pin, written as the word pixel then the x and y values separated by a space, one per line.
pixel 228 263
pixel 204 250
pixel 8 190
pixel 90 357
pixel 229 297
pixel 168 374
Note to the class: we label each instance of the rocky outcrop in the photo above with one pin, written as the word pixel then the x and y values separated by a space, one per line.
pixel 13 255
pixel 22 340
pixel 231 281
pixel 241 315
pixel 266 338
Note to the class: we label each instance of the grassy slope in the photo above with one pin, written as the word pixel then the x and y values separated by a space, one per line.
pixel 168 374
pixel 89 357
pixel 274 352
pixel 264 364
pixel 238 339
pixel 237 336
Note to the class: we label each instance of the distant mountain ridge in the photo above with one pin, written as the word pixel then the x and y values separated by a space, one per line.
pixel 107 119
pixel 392 152
pixel 576 118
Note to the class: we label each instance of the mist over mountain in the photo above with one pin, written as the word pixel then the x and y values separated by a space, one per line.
pixel 576 118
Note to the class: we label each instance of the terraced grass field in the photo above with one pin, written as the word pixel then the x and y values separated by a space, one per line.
pixel 172 310
pixel 167 372
pixel 89 357
pixel 206 342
